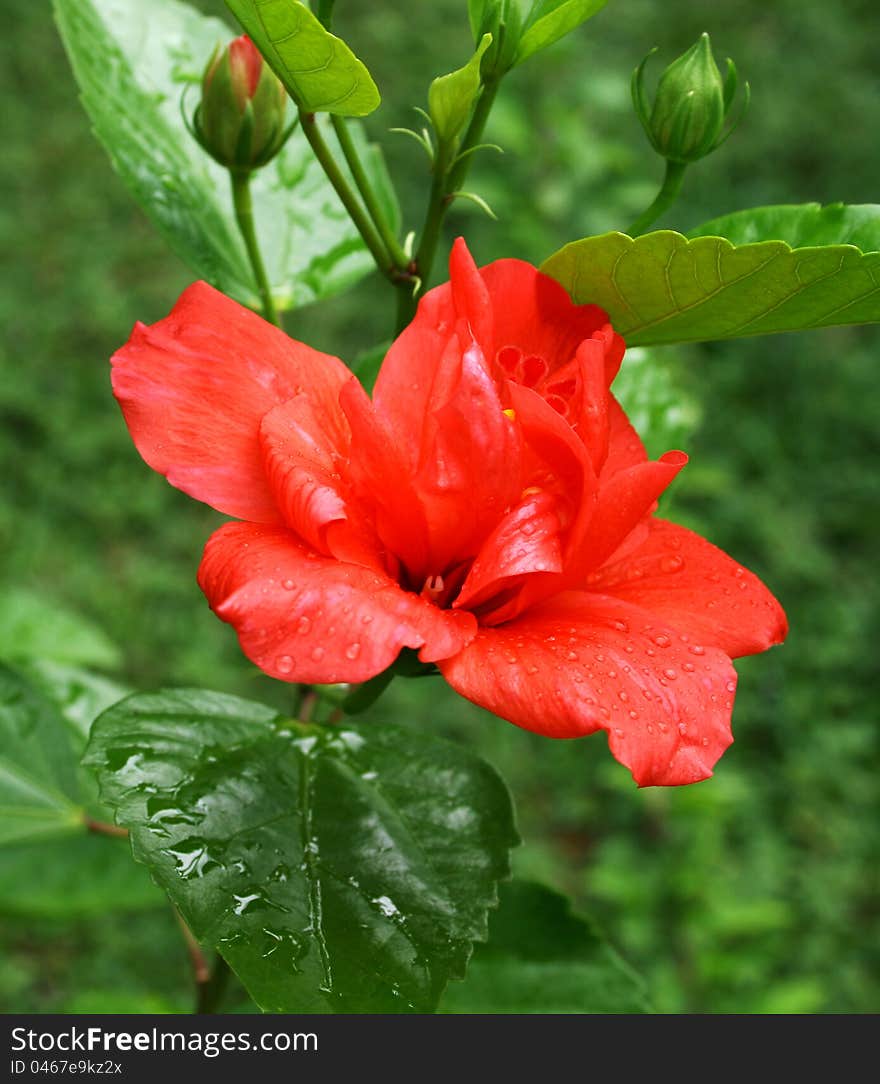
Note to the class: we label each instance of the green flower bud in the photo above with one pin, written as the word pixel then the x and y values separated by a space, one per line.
pixel 689 118
pixel 240 120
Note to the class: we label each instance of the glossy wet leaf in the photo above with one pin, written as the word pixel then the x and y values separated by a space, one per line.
pixel 39 790
pixel 663 288
pixel 32 627
pixel 550 20
pixel 337 869
pixel 320 71
pixel 800 225
pixel 542 958
pixel 135 64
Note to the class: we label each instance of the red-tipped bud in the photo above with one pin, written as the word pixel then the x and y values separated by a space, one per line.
pixel 240 120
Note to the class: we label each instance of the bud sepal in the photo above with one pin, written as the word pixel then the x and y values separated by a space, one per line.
pixel 691 113
pixel 240 119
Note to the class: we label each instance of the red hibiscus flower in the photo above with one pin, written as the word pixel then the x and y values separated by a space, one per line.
pixel 491 507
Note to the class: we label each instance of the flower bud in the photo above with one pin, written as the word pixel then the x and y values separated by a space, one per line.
pixel 691 106
pixel 240 120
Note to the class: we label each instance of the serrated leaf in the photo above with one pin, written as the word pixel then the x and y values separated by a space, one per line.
pixel 133 62
pixel 800 225
pixel 32 627
pixel 39 791
pixel 451 97
pixel 550 20
pixel 343 869
pixel 542 958
pixel 321 73
pixel 663 288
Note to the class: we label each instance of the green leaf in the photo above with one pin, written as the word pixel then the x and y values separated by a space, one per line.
pixel 542 958
pixel 32 627
pixel 76 877
pixel 39 791
pixel 664 412
pixel 338 869
pixel 80 694
pixel 803 225
pixel 550 20
pixel 319 70
pixel 451 97
pixel 663 288
pixel 476 15
pixel 133 63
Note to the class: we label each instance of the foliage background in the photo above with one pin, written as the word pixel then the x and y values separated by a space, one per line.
pixel 754 892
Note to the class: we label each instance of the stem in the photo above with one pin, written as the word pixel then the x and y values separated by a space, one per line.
pixel 349 200
pixel 667 195
pixel 448 178
pixel 210 994
pixel 244 215
pixel 209 984
pixel 104 829
pixel 367 192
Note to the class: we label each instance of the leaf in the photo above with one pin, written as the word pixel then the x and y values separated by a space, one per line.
pixel 75 877
pixel 476 15
pixel 133 62
pixel 39 791
pixel 550 20
pixel 542 958
pixel 32 627
pixel 663 288
pixel 80 694
pixel 451 97
pixel 664 412
pixel 803 225
pixel 321 73
pixel 340 869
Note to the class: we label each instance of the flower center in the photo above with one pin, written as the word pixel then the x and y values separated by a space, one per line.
pixel 560 388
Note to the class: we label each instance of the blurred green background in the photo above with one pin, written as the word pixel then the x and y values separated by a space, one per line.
pixel 754 892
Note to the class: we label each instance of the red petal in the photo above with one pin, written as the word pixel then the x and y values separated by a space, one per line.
pixel 383 477
pixel 696 587
pixel 302 617
pixel 194 387
pixel 623 501
pixel 582 662
pixel 526 541
pixel 625 448
pixel 533 312
pixel 306 459
pixel 470 470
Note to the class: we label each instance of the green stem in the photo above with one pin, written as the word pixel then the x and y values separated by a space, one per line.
pixel 349 200
pixel 367 192
pixel 244 215
pixel 450 172
pixel 667 195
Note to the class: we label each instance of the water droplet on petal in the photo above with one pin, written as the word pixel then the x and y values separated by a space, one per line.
pixel 352 651
pixel 303 625
pixel 284 664
pixel 318 654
